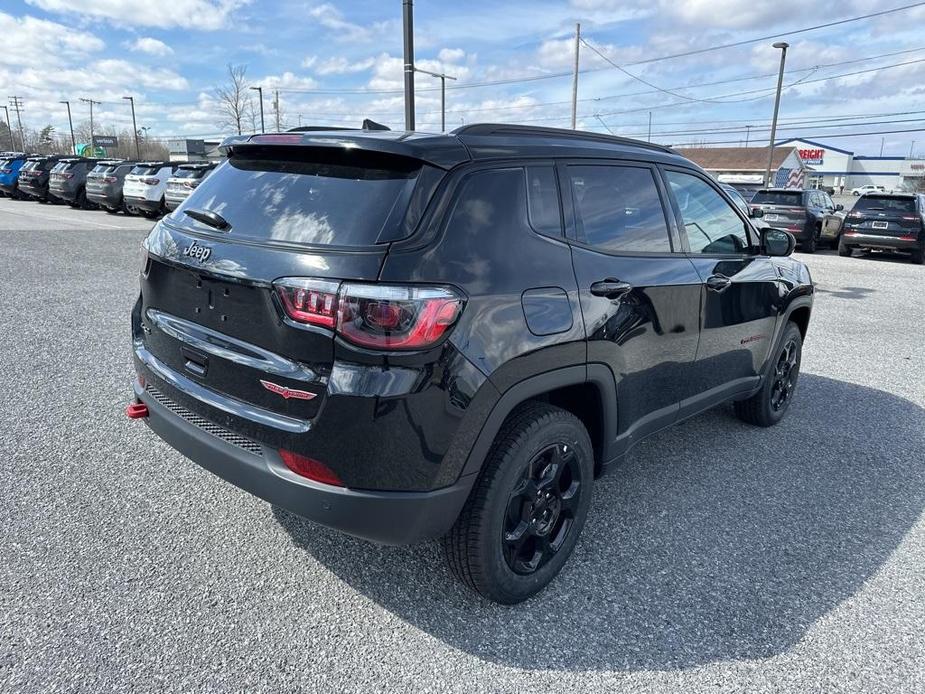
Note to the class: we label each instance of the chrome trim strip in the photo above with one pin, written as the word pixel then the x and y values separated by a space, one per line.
pixel 232 349
pixel 220 402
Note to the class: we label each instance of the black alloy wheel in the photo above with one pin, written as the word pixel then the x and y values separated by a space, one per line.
pixel 541 509
pixel 784 376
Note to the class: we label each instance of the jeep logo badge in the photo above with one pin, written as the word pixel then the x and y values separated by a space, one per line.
pixel 200 253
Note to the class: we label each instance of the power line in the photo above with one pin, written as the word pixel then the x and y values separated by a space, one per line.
pixel 830 136
pixel 646 61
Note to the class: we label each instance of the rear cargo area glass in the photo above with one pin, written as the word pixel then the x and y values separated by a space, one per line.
pixel 297 199
pixel 885 203
pixel 794 199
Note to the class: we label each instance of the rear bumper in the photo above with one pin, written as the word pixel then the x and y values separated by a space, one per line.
pixel 69 195
pixel 394 518
pixel 105 198
pixel 854 238
pixel 8 188
pixel 172 202
pixel 143 203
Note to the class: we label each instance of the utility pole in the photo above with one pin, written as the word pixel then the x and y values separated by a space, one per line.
pixel 882 140
pixel 407 15
pixel 13 144
pixel 649 138
pixel 748 131
pixel 276 107
pixel 911 149
pixel 70 123
pixel 783 46
pixel 91 102
pixel 131 100
pixel 443 78
pixel 300 120
pixel 575 77
pixel 16 105
pixel 259 91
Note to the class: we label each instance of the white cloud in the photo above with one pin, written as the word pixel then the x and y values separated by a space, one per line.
pixel 328 16
pixel 451 55
pixel 342 66
pixel 207 15
pixel 27 41
pixel 287 80
pixel 151 46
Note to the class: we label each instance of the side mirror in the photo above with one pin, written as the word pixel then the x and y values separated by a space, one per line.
pixel 755 212
pixel 777 242
pixel 839 208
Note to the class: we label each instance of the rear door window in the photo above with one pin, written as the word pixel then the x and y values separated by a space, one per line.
pixel 305 196
pixel 618 209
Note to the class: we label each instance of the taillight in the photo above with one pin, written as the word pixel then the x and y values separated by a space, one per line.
pixel 383 317
pixel 308 300
pixel 310 468
pixel 150 181
pixel 190 184
pixel 109 179
pixel 6 171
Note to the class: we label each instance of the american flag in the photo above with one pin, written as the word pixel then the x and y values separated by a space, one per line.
pixel 789 178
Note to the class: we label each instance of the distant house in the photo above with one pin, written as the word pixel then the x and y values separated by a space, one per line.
pixel 746 166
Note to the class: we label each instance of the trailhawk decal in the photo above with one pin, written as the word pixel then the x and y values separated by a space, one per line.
pixel 288 392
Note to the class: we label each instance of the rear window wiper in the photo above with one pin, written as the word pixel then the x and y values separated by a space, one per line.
pixel 212 219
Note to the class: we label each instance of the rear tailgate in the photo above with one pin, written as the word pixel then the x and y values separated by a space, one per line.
pixel 885 215
pixel 209 308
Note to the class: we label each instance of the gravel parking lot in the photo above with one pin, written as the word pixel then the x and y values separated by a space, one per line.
pixel 719 557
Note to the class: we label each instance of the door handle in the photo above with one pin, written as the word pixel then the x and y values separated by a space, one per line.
pixel 611 288
pixel 718 282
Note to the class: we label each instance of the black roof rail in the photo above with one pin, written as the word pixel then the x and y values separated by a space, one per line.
pixel 514 129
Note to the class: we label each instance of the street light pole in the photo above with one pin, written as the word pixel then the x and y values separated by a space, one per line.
pixel 783 45
pixel 70 124
pixel 575 77
pixel 9 130
pixel 748 131
pixel 407 14
pixel 131 100
pixel 91 102
pixel 443 78
pixel 259 91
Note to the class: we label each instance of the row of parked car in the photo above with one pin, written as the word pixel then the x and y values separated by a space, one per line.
pixel 148 188
pixel 878 220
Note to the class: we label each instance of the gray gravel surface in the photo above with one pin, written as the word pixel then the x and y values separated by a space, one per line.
pixel 719 557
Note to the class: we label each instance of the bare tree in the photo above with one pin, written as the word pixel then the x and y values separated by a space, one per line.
pixel 235 102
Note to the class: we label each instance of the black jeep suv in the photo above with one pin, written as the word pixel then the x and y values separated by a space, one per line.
pixel 886 222
pixel 408 336
pixel 807 214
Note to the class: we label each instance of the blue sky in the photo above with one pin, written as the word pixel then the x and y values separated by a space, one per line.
pixel 337 62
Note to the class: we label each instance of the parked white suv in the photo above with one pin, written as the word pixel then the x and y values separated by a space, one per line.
pixel 145 186
pixel 868 189
pixel 185 180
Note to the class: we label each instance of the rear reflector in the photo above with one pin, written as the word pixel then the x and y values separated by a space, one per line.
pixel 136 410
pixel 310 468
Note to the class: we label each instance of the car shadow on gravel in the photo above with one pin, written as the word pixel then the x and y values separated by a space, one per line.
pixel 713 541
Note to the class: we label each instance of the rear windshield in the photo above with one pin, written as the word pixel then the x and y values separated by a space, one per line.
pixel 29 165
pixel 298 201
pixel 885 203
pixel 65 165
pixel 145 170
pixel 105 168
pixel 189 173
pixel 779 197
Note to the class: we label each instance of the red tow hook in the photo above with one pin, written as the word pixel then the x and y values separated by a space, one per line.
pixel 136 410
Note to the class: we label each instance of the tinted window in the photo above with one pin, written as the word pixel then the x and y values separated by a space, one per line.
pixel 737 199
pixel 779 197
pixel 885 203
pixel 617 208
pixel 543 199
pixel 189 173
pixel 712 225
pixel 104 168
pixel 58 167
pixel 304 201
pixel 145 170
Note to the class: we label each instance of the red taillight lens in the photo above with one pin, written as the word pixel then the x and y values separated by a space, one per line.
pixel 308 300
pixel 109 179
pixel 279 139
pixel 395 317
pixel 150 181
pixel 6 171
pixel 377 316
pixel 310 468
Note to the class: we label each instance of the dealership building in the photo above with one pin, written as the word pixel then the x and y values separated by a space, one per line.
pixel 802 163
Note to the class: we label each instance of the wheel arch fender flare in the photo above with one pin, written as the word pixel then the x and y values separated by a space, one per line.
pixel 598 375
